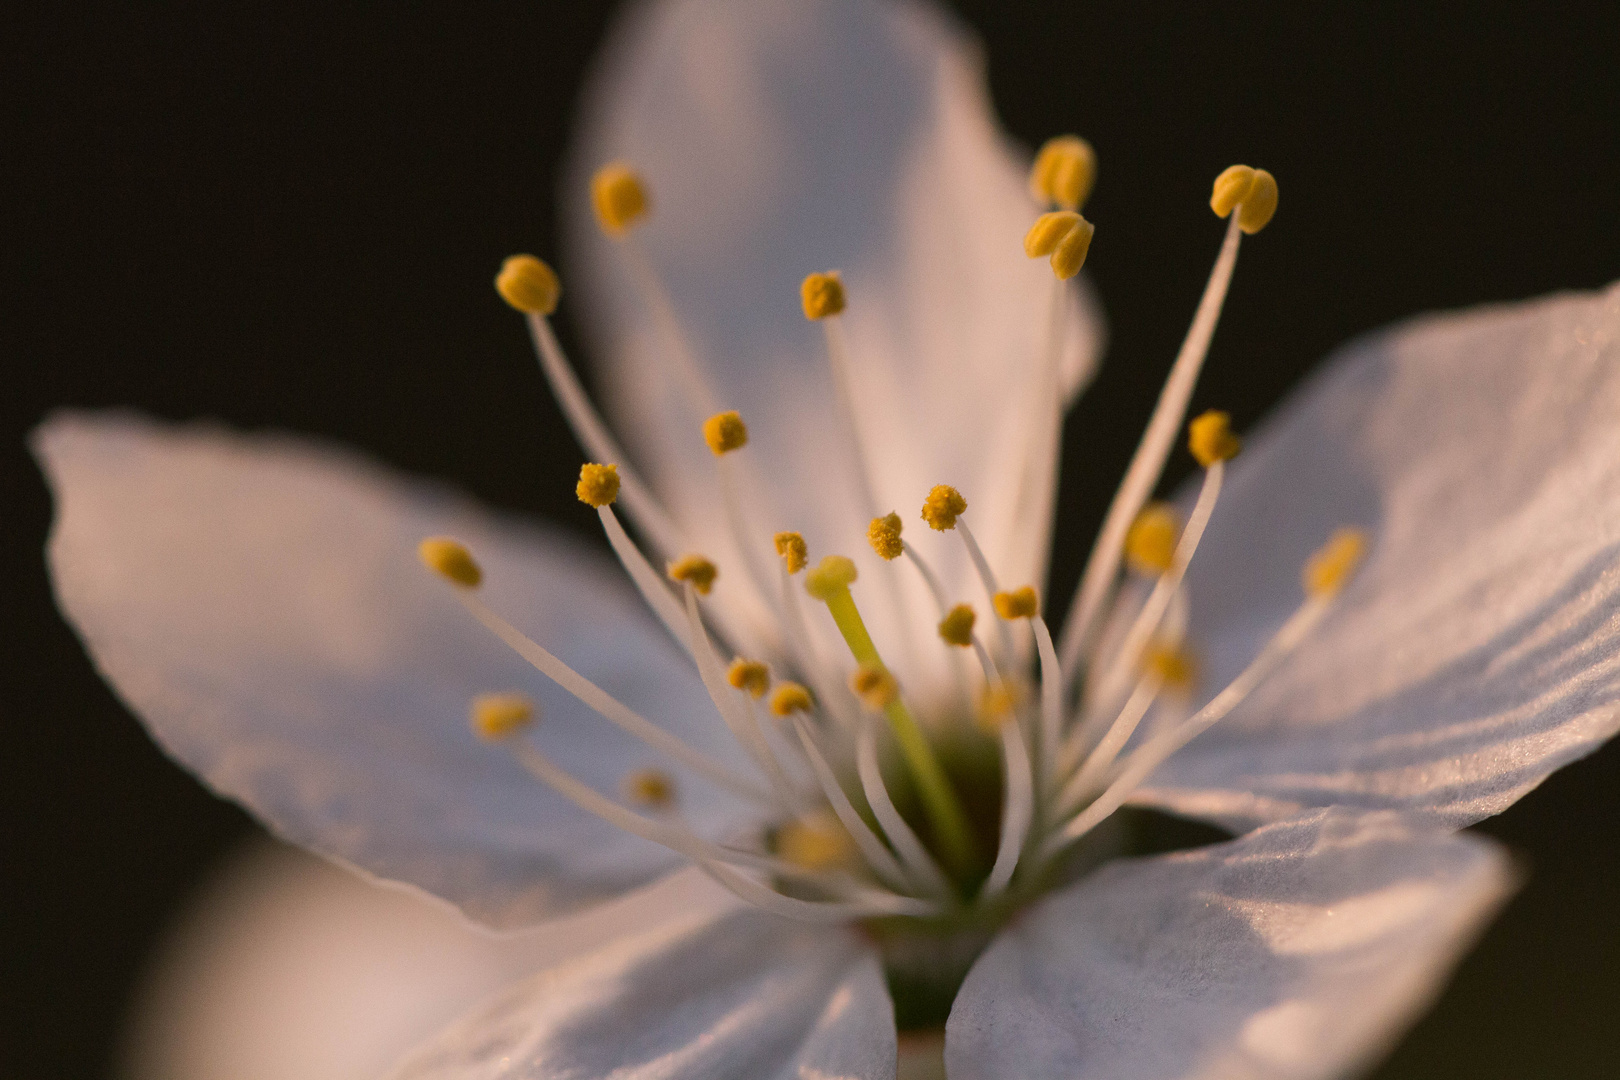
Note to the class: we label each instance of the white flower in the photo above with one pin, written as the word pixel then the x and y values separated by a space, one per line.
pixel 257 602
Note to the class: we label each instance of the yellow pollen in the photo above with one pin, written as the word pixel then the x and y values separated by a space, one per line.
pixel 696 569
pixel 598 484
pixel 943 506
pixel 495 716
pixel 1259 204
pixel 450 559
pixel 749 675
pixel 1019 603
pixel 815 842
pixel 874 685
pixel 651 788
pixel 822 295
pixel 619 197
pixel 725 432
pixel 996 707
pixel 1210 438
pixel 1065 168
pixel 1231 188
pixel 1043 236
pixel 957 626
pixel 1175 667
pixel 1150 545
pixel 794 554
pixel 1070 254
pixel 884 535
pixel 789 698
pixel 528 284
pixel 1327 571
pixel 833 574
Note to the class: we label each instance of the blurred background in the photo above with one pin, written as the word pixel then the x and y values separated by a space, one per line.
pixel 288 216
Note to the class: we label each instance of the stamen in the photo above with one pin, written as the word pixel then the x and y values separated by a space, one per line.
pixel 495 716
pixel 1043 236
pixel 884 536
pixel 1084 784
pixel 822 295
pixel 1143 474
pixel 874 686
pixel 619 198
pixel 790 698
pixel 823 299
pixel 829 582
pixel 652 788
pixel 598 485
pixel 791 548
pixel 1018 809
pixel 1064 172
pixel 876 855
pixel 809 655
pixel 1150 545
pixel 1252 192
pixel 942 507
pixel 957 626
pixel 450 559
pixel 646 579
pixel 697 570
pixel 815 842
pixel 529 285
pixel 1210 438
pixel 609 707
pixel 919 864
pixel 1172 665
pixel 1051 697
pixel 1020 603
pixel 725 432
pixel 749 675
pixel 1327 571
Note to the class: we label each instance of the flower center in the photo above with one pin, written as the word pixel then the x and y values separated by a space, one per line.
pixel 929 828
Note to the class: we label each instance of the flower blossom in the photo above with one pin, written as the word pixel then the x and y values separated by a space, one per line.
pixel 840 377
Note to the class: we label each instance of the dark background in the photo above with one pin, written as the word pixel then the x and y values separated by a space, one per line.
pixel 290 218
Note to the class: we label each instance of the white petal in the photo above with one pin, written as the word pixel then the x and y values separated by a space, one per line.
pixel 1297 952
pixel 258 602
pixel 1479 647
pixel 746 996
pixel 781 137
pixel 289 968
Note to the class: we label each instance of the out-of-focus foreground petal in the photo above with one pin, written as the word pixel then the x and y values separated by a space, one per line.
pixel 784 137
pixel 289 968
pixel 1297 952
pixel 744 996
pixel 259 604
pixel 1478 649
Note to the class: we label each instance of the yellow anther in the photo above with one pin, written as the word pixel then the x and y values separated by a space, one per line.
pixel 528 284
pixel 1231 188
pixel 998 705
pixel 1175 668
pixel 833 574
pixel 874 685
pixel 1210 438
pixel 696 569
pixel 619 197
pixel 598 484
pixel 1327 571
pixel 794 554
pixel 943 506
pixel 1259 204
pixel 884 535
pixel 1065 236
pixel 451 559
pixel 1070 254
pixel 815 842
pixel 1150 545
pixel 957 626
pixel 1064 171
pixel 1017 603
pixel 1043 236
pixel 495 716
pixel 749 675
pixel 652 788
pixel 789 698
pixel 822 295
pixel 725 432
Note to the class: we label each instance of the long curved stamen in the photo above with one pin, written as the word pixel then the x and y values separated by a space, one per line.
pixel 823 299
pixel 830 583
pixel 987 579
pixel 1083 783
pixel 609 707
pixel 1018 810
pixel 1051 697
pixel 1148 463
pixel 917 861
pixel 878 857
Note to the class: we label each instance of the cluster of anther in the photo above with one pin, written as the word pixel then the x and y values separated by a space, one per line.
pixel 1074 734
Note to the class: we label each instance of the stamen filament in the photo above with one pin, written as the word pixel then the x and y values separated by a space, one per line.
pixel 1037 482
pixel 830 693
pixel 844 390
pixel 1113 741
pixel 1148 464
pixel 749 539
pixel 649 583
pixel 1051 697
pixel 1018 810
pixel 592 433
pixel 944 811
pixel 609 707
pixel 878 857
pixel 987 579
pixel 918 862
pixel 1152 754
pixel 931 582
pixel 699 394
